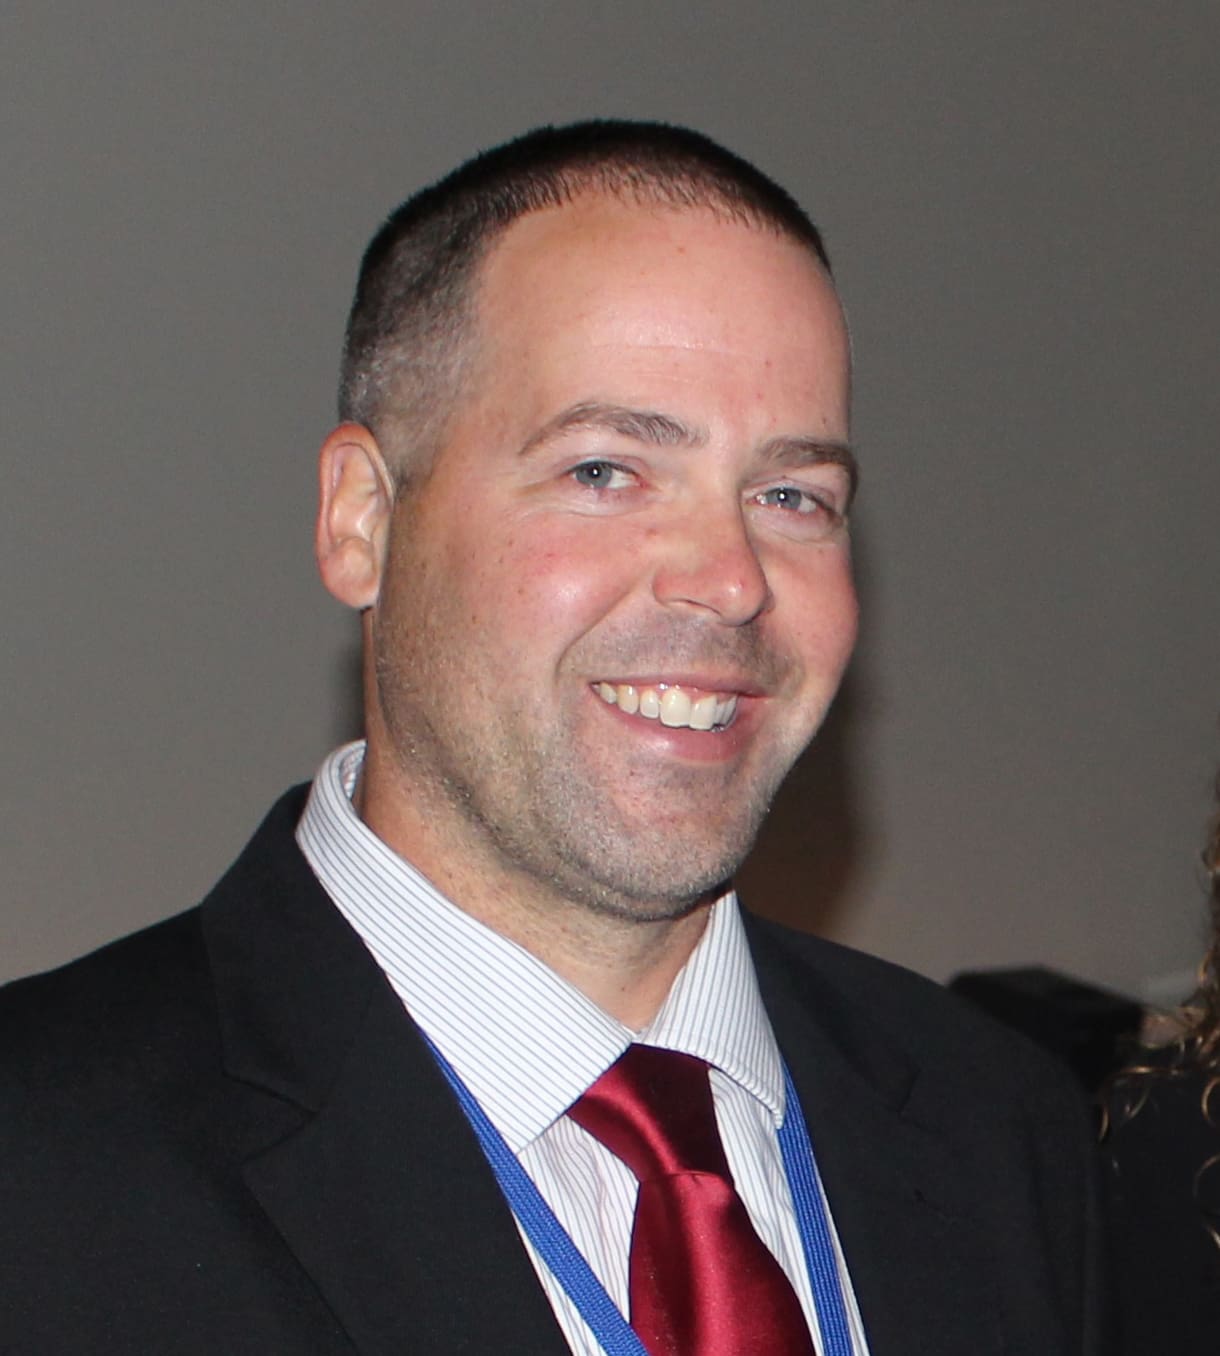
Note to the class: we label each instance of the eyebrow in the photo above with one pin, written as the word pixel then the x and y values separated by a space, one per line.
pixel 663 430
pixel 645 426
pixel 801 451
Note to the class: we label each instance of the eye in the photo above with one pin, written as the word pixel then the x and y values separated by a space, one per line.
pixel 813 514
pixel 789 497
pixel 601 475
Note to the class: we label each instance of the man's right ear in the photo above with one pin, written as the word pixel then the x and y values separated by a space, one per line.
pixel 355 502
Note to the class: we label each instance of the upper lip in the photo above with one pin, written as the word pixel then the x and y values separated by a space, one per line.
pixel 736 685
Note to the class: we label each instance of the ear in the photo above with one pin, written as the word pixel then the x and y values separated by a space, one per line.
pixel 355 501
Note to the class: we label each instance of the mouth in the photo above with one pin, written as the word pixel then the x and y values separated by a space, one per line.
pixel 679 707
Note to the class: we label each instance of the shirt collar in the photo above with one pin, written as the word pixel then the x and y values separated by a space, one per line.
pixel 524 1041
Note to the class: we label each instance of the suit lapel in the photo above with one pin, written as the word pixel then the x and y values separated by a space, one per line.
pixel 918 1260
pixel 386 1200
pixel 355 1147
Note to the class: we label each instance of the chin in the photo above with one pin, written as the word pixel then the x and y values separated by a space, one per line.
pixel 614 904
pixel 652 886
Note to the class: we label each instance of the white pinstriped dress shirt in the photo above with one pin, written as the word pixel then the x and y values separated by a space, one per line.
pixel 527 1044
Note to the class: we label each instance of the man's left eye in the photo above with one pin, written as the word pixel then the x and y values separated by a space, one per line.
pixel 794 499
pixel 600 475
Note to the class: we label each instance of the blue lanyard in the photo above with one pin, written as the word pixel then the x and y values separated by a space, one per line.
pixel 567 1264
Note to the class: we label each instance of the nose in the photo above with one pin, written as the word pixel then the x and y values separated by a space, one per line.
pixel 708 563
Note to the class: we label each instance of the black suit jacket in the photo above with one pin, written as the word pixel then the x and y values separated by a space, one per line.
pixel 223 1135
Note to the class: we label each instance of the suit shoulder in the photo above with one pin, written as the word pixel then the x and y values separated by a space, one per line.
pixel 909 1013
pixel 117 1006
pixel 149 989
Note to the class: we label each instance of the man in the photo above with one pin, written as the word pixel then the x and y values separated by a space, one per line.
pixel 590 497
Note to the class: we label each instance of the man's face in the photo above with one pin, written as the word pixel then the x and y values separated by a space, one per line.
pixel 616 610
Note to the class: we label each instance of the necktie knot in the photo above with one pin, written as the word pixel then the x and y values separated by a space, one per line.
pixel 653 1109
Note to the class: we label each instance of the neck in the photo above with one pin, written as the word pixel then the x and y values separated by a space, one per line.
pixel 624 964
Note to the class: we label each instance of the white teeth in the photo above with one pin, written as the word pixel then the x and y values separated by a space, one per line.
pixel 672 706
pixel 703 713
pixel 675 707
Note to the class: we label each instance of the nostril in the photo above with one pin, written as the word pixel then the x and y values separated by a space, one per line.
pixel 731 585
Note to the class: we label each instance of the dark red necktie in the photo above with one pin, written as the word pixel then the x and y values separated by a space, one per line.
pixel 702 1281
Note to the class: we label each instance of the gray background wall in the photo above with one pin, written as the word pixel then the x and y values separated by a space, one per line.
pixel 1021 200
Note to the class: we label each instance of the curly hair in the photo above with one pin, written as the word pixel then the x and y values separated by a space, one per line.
pixel 1194 1050
pixel 1191 1056
pixel 1200 1042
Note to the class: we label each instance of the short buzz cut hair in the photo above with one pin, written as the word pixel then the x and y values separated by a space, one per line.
pixel 408 345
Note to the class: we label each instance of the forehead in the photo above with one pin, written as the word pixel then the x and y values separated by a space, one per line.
pixel 647 276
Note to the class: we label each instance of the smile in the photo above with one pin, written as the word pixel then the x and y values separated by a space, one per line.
pixel 672 706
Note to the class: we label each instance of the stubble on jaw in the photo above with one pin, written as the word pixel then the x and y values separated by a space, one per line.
pixel 518 803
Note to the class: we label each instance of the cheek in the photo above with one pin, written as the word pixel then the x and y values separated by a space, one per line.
pixel 823 613
pixel 533 580
pixel 565 578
